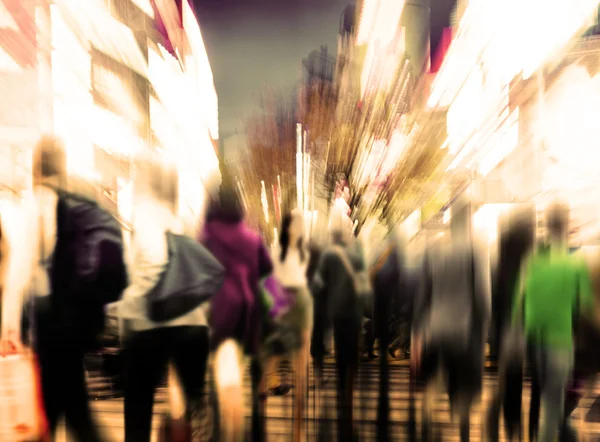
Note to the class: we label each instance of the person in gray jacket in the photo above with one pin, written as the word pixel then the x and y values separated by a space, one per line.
pixel 451 319
pixel 337 305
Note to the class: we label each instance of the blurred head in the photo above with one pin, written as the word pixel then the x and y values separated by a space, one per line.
pixel 225 202
pixel 49 162
pixel 156 179
pixel 460 223
pixel 291 234
pixel 557 221
pixel 340 226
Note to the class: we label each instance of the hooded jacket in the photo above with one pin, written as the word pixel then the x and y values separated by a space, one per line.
pixel 235 312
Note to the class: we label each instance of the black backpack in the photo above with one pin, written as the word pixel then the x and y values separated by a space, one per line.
pixel 88 266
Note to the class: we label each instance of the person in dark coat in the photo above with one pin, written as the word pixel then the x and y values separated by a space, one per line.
pixel 337 306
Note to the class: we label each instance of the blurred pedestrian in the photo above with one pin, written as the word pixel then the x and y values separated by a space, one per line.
pixel 516 242
pixel 291 260
pixel 338 305
pixel 149 345
pixel 451 319
pixel 67 291
pixel 236 314
pixel 554 291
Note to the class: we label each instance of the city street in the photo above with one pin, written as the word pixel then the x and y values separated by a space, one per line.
pixel 109 413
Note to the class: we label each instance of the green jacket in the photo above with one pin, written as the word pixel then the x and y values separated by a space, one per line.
pixel 555 289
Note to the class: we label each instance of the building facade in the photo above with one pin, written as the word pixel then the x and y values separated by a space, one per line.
pixel 110 78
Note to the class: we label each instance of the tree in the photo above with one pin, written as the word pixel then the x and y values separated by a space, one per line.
pixel 271 135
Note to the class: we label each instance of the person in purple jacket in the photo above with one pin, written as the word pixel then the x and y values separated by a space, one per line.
pixel 235 316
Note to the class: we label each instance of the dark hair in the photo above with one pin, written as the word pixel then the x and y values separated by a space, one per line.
pixel 557 218
pixel 284 238
pixel 226 206
pixel 49 158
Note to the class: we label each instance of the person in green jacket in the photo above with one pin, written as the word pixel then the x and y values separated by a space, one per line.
pixel 555 289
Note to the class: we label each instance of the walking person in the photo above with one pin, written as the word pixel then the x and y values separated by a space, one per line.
pixel 291 261
pixel 66 290
pixel 236 315
pixel 451 319
pixel 338 305
pixel 151 345
pixel 554 291
pixel 515 244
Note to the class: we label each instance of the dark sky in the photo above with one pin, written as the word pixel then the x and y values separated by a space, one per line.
pixel 251 43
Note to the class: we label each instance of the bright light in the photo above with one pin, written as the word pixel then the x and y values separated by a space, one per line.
pixel 485 220
pixel 145 6
pixel 378 28
pixel 569 124
pixel 299 183
pixel 411 224
pixel 464 114
pixel 367 20
pixel 492 34
pixel 264 201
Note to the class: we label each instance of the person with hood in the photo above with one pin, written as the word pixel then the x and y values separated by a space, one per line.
pixel 236 313
pixel 451 319
pixel 338 306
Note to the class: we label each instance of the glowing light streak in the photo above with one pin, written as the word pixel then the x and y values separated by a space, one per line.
pixel 505 141
pixel 92 21
pixel 7 63
pixel 299 184
pixel 6 19
pixel 200 71
pixel 538 30
pixel 145 6
pixel 299 161
pixel 264 201
pixel 367 20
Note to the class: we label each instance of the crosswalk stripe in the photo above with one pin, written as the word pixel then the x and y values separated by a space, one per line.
pixel 109 413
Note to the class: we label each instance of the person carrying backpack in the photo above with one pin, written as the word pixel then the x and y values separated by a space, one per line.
pixel 70 265
pixel 338 305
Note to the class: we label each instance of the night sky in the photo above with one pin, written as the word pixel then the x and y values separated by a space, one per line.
pixel 252 43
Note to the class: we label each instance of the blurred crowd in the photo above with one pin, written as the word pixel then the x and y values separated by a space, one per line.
pixel 220 299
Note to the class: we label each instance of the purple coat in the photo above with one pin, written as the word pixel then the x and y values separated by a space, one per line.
pixel 235 311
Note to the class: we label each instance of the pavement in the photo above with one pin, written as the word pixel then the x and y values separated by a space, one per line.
pixel 109 412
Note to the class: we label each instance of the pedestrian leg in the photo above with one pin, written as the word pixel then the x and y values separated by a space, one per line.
pixel 78 415
pixel 145 364
pixel 228 373
pixel 558 365
pixel 301 389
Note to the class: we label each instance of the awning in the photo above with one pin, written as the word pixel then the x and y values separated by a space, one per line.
pixel 93 22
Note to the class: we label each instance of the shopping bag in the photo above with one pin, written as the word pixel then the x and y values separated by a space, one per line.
pixel 22 413
pixel 275 299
